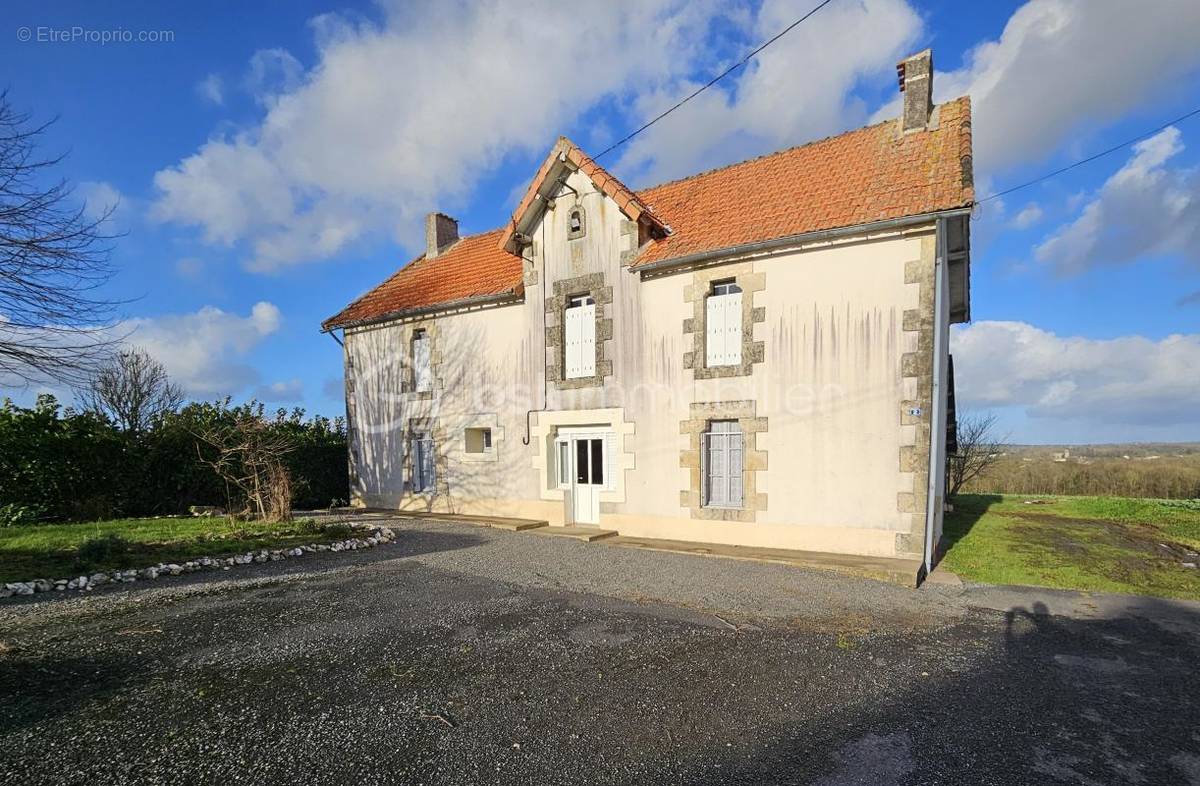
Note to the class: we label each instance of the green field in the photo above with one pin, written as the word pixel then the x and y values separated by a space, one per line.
pixel 51 551
pixel 1104 544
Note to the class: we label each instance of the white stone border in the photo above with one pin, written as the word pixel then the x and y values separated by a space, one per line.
pixel 378 536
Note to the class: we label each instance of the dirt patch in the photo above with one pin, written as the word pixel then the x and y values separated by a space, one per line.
pixel 1125 551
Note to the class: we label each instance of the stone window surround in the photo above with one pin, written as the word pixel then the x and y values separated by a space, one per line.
pixel 480 420
pixel 564 289
pixel 433 427
pixel 754 459
pixel 576 234
pixel 697 292
pixel 916 372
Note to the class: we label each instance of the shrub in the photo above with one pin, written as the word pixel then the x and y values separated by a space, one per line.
pixel 14 515
pixel 102 549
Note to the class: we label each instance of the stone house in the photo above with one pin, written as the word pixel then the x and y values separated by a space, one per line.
pixel 753 355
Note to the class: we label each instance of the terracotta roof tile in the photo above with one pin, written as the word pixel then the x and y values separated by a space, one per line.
pixel 473 267
pixel 872 174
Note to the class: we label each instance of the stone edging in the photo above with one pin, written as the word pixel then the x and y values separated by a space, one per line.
pixel 377 536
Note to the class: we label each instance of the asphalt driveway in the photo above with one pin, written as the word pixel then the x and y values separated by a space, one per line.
pixel 467 655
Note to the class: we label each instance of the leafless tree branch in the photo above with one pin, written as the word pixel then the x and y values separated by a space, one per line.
pixel 132 390
pixel 53 258
pixel 978 449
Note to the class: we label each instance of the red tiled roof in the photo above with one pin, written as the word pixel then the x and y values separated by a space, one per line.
pixel 860 177
pixel 627 200
pixel 473 267
pixel 872 174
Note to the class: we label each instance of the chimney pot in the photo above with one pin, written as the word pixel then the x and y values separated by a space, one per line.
pixel 916 83
pixel 440 231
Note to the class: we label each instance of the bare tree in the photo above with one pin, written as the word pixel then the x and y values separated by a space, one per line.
pixel 54 256
pixel 978 449
pixel 132 389
pixel 249 457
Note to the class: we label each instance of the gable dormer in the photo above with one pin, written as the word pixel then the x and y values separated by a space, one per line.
pixel 564 159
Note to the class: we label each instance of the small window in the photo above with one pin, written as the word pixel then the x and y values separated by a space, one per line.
pixel 725 287
pixel 576 223
pixel 564 464
pixel 579 301
pixel 721 458
pixel 479 440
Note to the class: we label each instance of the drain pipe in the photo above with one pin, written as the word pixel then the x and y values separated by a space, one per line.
pixel 937 414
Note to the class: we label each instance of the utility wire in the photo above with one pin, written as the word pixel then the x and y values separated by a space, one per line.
pixel 717 78
pixel 1089 159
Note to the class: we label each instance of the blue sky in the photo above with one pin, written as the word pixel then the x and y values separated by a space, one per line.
pixel 273 161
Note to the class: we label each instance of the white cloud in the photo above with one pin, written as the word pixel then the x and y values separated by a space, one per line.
pixel 1061 65
pixel 285 391
pixel 212 89
pixel 1145 208
pixel 204 350
pixel 403 116
pixel 1029 215
pixel 99 198
pixel 189 267
pixel 796 90
pixel 1128 380
pixel 272 73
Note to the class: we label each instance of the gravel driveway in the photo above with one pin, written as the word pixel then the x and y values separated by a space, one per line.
pixel 468 655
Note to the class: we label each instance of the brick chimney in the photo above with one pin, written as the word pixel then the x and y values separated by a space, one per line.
pixel 916 83
pixel 440 231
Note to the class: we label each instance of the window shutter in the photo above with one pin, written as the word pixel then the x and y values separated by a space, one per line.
pixel 735 469
pixel 718 469
pixel 421 371
pixel 430 469
pixel 704 470
pixel 587 341
pixel 714 341
pixel 414 465
pixel 573 352
pixel 733 328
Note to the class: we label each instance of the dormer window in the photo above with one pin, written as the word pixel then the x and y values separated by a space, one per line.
pixel 576 223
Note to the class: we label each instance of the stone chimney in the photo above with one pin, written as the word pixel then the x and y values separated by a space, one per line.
pixel 440 231
pixel 916 83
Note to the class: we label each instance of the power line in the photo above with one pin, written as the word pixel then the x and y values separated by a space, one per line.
pixel 1089 159
pixel 717 78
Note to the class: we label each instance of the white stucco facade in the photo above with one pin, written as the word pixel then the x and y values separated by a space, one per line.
pixel 834 403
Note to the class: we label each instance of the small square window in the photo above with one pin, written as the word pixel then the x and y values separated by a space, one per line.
pixel 729 287
pixel 479 440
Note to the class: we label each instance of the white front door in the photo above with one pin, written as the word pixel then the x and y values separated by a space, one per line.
pixel 582 467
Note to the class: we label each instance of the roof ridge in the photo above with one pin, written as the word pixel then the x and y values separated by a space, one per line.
pixel 763 156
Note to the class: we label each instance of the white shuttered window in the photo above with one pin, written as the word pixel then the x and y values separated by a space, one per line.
pixel 422 372
pixel 423 467
pixel 722 464
pixel 579 323
pixel 723 321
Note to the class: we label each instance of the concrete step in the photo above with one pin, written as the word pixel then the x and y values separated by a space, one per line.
pixel 495 522
pixel 889 569
pixel 586 534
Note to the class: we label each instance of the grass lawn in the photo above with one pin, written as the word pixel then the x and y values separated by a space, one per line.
pixel 50 551
pixel 1104 544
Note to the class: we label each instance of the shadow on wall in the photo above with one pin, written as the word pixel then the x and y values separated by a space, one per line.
pixel 473 389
